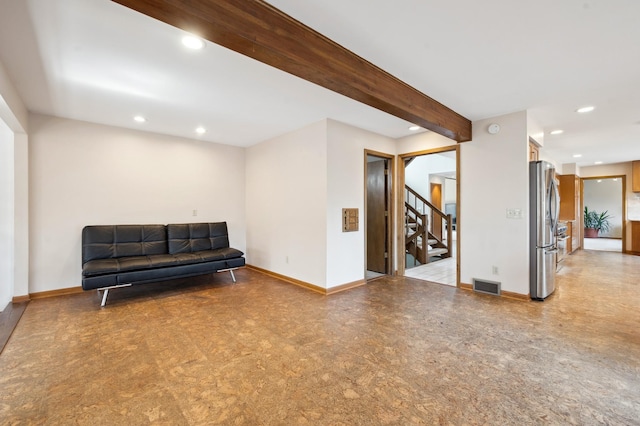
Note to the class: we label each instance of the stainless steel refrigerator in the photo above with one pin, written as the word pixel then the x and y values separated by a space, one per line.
pixel 544 205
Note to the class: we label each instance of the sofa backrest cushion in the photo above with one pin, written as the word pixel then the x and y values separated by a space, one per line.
pixel 192 237
pixel 113 241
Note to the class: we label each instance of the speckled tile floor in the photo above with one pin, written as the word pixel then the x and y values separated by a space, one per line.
pixel 397 351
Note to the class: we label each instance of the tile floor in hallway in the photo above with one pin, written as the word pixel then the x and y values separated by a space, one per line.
pixel 603 244
pixel 397 351
pixel 441 272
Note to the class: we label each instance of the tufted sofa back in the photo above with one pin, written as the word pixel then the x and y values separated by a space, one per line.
pixel 113 241
pixel 191 237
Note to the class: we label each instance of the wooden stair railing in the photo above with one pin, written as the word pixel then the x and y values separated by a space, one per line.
pixel 415 205
pixel 416 234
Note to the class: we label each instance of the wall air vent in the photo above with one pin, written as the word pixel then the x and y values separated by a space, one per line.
pixel 488 287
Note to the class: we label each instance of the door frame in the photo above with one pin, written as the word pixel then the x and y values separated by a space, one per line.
pixel 624 208
pixel 401 261
pixel 390 195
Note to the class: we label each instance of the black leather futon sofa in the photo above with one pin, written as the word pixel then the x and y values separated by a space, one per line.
pixel 116 256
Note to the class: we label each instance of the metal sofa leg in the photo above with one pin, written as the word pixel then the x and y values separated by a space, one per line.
pixel 104 297
pixel 106 292
pixel 233 277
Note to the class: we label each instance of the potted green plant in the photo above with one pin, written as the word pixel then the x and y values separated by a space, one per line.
pixel 594 222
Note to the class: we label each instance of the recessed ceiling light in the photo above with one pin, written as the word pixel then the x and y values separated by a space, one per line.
pixel 577 155
pixel 556 132
pixel 598 162
pixel 139 119
pixel 414 128
pixel 599 180
pixel 201 130
pixel 615 179
pixel 193 42
pixel 585 109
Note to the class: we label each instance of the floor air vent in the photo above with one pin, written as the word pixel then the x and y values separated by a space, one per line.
pixel 484 286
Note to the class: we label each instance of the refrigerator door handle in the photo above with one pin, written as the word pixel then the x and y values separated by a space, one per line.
pixel 553 205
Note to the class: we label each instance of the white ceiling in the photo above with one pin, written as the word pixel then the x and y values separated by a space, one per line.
pixel 97 61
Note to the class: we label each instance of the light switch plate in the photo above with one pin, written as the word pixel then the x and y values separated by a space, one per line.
pixel 349 220
pixel 514 213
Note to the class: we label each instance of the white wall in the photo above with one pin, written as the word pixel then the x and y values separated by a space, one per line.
pixel 14 118
pixel 602 196
pixel 450 192
pixel 421 142
pixel 345 188
pixel 12 110
pixel 417 174
pixel 633 199
pixel 494 176
pixel 6 214
pixel 286 198
pixel 297 185
pixel 21 215
pixel 88 174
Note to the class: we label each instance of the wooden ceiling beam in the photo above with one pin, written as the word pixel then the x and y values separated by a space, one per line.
pixel 258 30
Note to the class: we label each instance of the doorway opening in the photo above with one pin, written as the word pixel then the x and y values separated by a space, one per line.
pixel 378 214
pixel 429 208
pixel 604 200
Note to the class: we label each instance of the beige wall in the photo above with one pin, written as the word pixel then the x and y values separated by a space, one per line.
pixel 632 199
pixel 89 174
pixel 286 190
pixel 602 195
pixel 6 214
pixel 494 177
pixel 12 110
pixel 297 185
pixel 15 240
pixel 345 189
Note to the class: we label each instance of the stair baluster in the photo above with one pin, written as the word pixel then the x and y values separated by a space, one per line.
pixel 418 238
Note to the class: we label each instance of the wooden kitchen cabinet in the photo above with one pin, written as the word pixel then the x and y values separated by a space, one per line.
pixel 573 234
pixel 534 152
pixel 635 237
pixel 569 197
pixel 635 176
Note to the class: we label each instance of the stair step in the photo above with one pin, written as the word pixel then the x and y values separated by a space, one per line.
pixel 438 251
pixel 431 241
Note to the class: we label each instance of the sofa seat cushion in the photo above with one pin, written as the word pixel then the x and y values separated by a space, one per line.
pixel 139 263
pixel 218 254
pixel 123 264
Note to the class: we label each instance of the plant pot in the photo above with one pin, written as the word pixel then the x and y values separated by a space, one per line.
pixel 590 233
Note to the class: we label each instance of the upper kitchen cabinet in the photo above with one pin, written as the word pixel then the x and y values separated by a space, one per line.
pixel 569 197
pixel 534 151
pixel 635 174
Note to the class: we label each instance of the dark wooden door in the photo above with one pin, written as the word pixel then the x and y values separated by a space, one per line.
pixel 376 216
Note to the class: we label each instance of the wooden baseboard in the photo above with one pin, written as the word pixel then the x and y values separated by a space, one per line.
pixel 516 296
pixel 309 286
pixel 290 280
pixel 20 299
pixel 54 293
pixel 506 294
pixel 347 286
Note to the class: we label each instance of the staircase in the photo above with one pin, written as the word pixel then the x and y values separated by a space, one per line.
pixel 422 239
